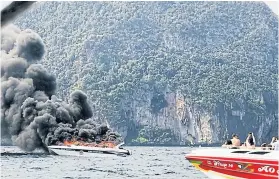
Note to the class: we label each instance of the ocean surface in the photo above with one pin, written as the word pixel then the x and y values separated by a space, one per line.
pixel 144 163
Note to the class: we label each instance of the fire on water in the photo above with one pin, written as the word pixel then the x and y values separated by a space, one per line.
pixel 102 144
pixel 80 147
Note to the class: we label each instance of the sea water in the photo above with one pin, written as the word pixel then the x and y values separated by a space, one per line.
pixel 144 163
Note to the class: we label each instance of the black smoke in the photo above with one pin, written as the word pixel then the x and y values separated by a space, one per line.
pixel 31 115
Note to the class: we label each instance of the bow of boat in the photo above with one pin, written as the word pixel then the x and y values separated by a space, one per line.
pixel 236 163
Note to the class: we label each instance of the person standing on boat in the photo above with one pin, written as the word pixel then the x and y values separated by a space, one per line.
pixel 274 139
pixel 275 144
pixel 250 141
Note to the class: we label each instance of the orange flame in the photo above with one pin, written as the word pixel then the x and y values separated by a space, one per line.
pixel 103 144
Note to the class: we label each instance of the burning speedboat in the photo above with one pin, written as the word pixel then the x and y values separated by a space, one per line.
pixel 32 116
pixel 88 149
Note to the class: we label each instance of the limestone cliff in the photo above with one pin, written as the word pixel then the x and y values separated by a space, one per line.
pixel 166 72
pixel 190 124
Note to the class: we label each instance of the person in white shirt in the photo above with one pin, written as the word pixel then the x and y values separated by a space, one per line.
pixel 274 139
pixel 275 144
pixel 250 141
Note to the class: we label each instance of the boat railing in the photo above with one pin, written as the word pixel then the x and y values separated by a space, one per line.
pixel 247 148
pixel 119 145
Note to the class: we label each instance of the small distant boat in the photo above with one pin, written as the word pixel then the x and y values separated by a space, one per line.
pixel 87 150
pixel 223 163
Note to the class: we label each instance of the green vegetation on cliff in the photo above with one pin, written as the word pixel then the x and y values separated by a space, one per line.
pixel 219 55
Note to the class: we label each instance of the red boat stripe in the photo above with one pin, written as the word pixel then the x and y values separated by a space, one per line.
pixel 270 162
pixel 238 174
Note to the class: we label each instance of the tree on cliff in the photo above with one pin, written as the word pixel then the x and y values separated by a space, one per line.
pixel 219 55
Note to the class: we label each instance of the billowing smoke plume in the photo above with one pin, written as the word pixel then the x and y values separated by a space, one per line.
pixel 31 115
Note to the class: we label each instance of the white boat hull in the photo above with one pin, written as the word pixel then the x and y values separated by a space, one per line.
pixel 87 151
pixel 75 153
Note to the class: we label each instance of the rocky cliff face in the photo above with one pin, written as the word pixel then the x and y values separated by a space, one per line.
pixel 191 124
pixel 166 72
pixel 187 123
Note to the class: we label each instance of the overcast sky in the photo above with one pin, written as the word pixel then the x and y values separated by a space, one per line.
pixel 4 4
pixel 273 5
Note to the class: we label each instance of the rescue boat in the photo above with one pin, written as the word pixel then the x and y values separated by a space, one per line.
pixel 75 150
pixel 224 163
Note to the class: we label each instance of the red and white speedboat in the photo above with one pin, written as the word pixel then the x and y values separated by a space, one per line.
pixel 223 163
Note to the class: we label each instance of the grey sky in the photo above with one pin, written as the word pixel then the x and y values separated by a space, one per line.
pixel 4 4
pixel 273 5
